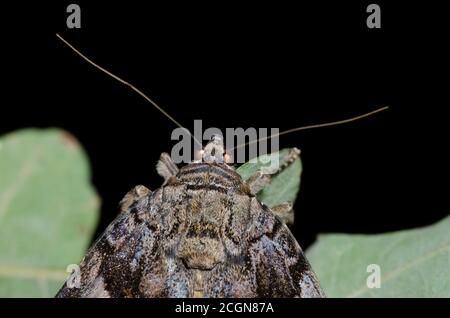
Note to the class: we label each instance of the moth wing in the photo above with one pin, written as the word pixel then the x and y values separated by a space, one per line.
pixel 115 264
pixel 279 264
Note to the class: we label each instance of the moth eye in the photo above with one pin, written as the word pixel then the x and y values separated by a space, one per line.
pixel 228 158
pixel 198 155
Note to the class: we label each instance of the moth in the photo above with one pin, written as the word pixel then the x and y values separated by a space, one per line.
pixel 203 233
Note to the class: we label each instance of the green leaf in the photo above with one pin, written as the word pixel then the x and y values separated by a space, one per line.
pixel 284 186
pixel 413 263
pixel 48 210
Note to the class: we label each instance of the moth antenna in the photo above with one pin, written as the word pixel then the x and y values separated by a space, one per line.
pixel 333 123
pixel 153 103
pixel 127 84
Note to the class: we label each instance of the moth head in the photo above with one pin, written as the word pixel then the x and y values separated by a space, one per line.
pixel 214 151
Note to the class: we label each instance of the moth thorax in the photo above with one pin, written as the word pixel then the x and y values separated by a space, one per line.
pixel 201 252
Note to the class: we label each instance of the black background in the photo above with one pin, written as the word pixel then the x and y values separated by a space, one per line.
pixel 258 64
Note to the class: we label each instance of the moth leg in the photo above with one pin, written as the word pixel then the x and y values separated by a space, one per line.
pixel 165 167
pixel 132 196
pixel 285 212
pixel 263 177
pixel 258 181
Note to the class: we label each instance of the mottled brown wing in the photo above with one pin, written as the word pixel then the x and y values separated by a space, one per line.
pixel 126 260
pixel 133 257
pixel 271 263
pixel 279 264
